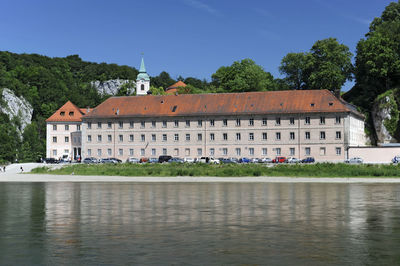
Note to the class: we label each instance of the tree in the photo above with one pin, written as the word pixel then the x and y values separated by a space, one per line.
pixel 243 76
pixel 294 65
pixel 163 80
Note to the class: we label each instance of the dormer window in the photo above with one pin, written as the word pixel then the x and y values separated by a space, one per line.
pixel 62 113
pixel 71 113
pixel 330 104
pixel 312 104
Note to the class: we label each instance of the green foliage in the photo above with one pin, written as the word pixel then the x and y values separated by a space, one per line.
pixel 243 76
pixel 163 80
pixel 157 91
pixel 387 100
pixel 9 140
pixel 127 89
pixel 227 170
pixel 294 66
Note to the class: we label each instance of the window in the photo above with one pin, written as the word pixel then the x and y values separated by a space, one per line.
pixel 187 152
pixel 89 152
pixel 142 87
pixel 225 151
pixel 164 123
pixel 264 151
pixel 109 138
pixel 278 135
pixel 251 136
pixel 238 151
pixel 153 152
pixel 291 121
pixel 121 138
pixel 54 152
pixel 78 127
pixel 120 124
pixel 338 135
pixel 131 152
pixel 153 124
pixel 212 136
pixel 176 152
pixel 98 124
pixel 278 151
pixel 143 138
pixel 62 113
pixel 200 123
pixel 322 151
pixel 55 139
pixel 292 136
pixel 307 120
pixel 338 151
pixel 109 152
pixel 278 121
pixel 131 124
pixel 238 122
pixel 142 124
pixel 251 122
pixel 66 127
pixel 164 151
pixel 98 152
pixel 187 123
pixel 199 151
pixel 264 135
pixel 71 113
pixel 308 150
pixel 322 120
pixel 307 135
pixel 225 122
pixel 338 120
pixel 199 137
pixel 176 123
pixel 142 152
pixel 187 137
pixel 212 122
pixel 292 151
pixel 251 151
pixel 99 138
pixel 131 138
pixel 264 121
pixel 164 137
pixel 176 137
pixel 89 125
pixel 89 138
pixel 212 151
pixel 322 135
pixel 54 127
pixel 153 137
pixel 225 136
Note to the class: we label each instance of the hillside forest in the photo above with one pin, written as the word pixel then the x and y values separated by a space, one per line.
pixel 47 83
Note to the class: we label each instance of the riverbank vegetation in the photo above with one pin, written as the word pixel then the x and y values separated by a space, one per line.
pixel 225 170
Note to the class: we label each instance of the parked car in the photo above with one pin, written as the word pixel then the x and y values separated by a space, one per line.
pixel 226 160
pixel 255 160
pixel 109 160
pixel 355 160
pixel 188 160
pixel 208 160
pixel 144 160
pixel 308 160
pixel 132 160
pixel 279 159
pixel 153 160
pixel 116 160
pixel 50 160
pixel 176 160
pixel 244 160
pixel 266 160
pixel 164 158
pixel 293 160
pixel 396 159
pixel 90 160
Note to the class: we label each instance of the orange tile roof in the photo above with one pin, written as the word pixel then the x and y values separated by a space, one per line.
pixel 69 112
pixel 269 102
pixel 176 85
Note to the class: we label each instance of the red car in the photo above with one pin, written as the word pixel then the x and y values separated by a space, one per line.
pixel 279 159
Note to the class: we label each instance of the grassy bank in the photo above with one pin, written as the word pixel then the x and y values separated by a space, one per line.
pixel 297 170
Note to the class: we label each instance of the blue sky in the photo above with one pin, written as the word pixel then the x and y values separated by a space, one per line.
pixel 183 37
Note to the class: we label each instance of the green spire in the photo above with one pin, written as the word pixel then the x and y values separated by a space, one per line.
pixel 142 67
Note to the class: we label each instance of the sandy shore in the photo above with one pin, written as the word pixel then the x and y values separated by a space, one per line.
pixel 18 177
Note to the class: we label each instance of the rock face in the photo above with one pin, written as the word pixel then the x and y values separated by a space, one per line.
pixel 16 108
pixel 382 116
pixel 111 87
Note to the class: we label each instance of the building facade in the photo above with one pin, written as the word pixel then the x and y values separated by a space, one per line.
pixel 63 132
pixel 254 124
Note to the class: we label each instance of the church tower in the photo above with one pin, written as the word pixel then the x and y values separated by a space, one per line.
pixel 142 80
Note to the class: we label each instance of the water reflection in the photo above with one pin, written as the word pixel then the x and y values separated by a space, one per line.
pixel 92 223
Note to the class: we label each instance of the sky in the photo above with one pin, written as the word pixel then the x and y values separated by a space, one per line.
pixel 183 37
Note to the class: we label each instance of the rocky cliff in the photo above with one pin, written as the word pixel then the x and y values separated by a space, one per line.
pixel 18 109
pixel 113 86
